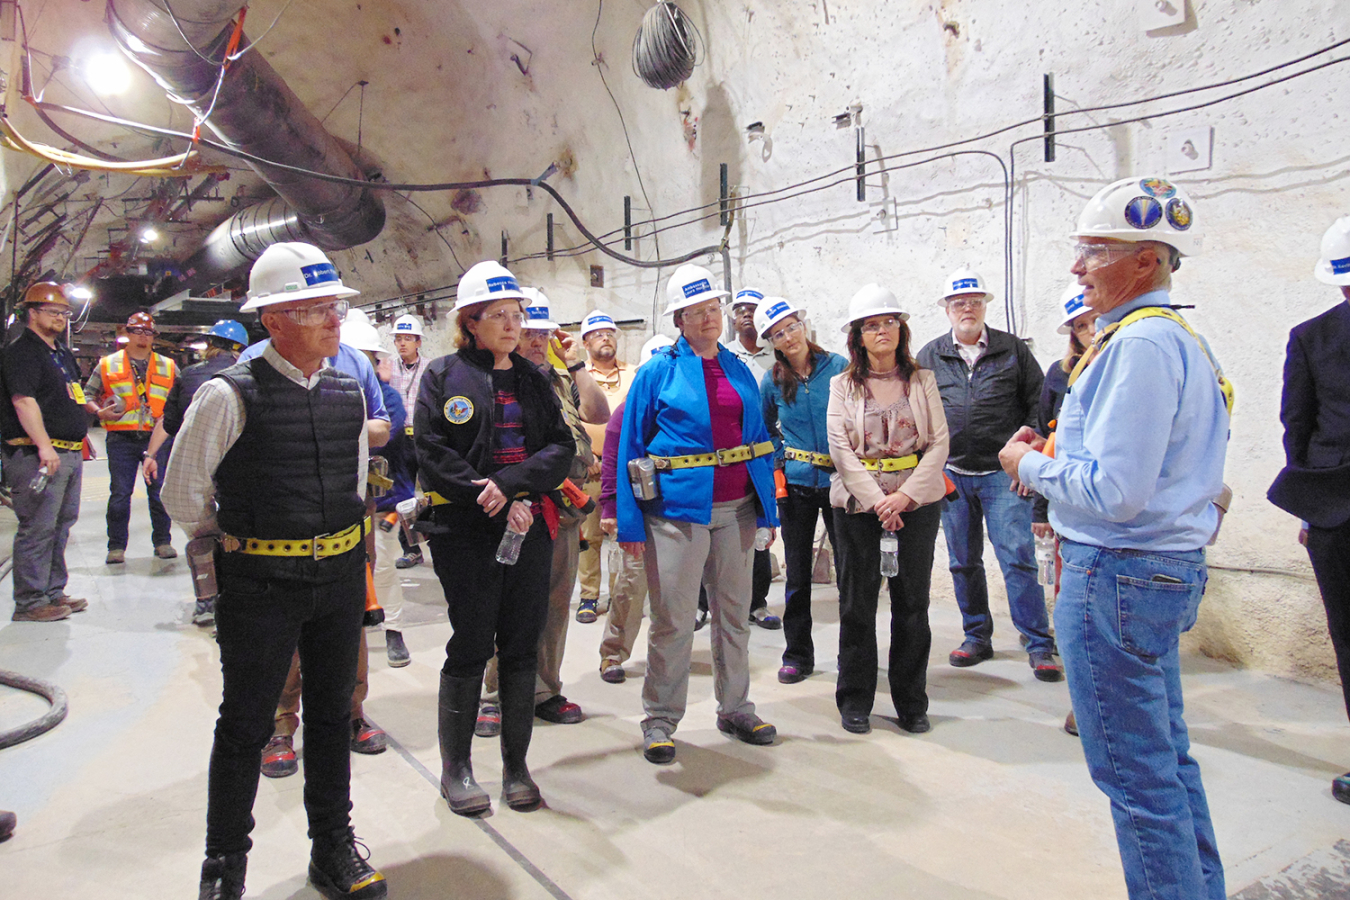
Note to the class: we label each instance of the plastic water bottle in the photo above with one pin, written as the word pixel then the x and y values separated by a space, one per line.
pixel 890 554
pixel 508 551
pixel 762 538
pixel 615 557
pixel 39 482
pixel 1045 559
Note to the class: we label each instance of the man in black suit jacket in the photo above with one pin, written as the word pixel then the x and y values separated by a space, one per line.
pixel 1315 482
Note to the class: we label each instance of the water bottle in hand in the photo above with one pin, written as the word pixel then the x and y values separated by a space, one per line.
pixel 615 557
pixel 762 537
pixel 890 554
pixel 508 551
pixel 39 482
pixel 1045 559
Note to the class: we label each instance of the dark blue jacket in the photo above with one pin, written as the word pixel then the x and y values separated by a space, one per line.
pixel 801 424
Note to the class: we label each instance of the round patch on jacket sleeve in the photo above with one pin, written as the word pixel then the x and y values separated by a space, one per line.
pixel 458 410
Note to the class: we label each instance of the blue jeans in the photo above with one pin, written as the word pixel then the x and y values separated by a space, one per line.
pixel 987 498
pixel 124 469
pixel 1119 618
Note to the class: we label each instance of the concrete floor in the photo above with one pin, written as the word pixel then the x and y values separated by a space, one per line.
pixel 995 802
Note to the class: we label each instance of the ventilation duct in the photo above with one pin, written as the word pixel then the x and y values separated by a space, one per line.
pixel 255 112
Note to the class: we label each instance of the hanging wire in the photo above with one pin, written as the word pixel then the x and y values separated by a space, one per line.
pixel 665 48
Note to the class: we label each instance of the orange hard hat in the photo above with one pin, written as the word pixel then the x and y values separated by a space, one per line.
pixel 141 320
pixel 46 292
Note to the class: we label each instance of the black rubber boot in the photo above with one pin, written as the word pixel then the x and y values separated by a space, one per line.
pixel 223 877
pixel 457 713
pixel 517 698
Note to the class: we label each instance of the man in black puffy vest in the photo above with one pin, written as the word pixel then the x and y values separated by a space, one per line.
pixel 271 462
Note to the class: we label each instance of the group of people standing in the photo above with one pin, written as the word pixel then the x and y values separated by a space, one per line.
pixel 697 460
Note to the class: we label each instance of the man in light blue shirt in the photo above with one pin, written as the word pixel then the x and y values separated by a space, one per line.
pixel 1137 464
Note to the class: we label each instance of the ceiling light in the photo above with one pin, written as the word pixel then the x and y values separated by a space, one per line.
pixel 107 73
pixel 149 234
pixel 80 292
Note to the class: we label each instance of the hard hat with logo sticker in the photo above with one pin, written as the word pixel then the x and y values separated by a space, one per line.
pixel 872 300
pixel 291 271
pixel 689 286
pixel 538 311
pixel 408 324
pixel 1072 301
pixel 747 295
pixel 486 282
pixel 45 292
pixel 964 280
pixel 772 311
pixel 229 330
pixel 358 333
pixel 597 321
pixel 141 320
pixel 1334 266
pixel 1142 209
pixel 653 347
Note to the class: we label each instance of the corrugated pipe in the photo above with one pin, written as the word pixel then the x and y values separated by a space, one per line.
pixel 256 112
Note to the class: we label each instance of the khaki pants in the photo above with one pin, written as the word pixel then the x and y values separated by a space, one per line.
pixel 627 595
pixel 553 641
pixel 588 567
pixel 680 557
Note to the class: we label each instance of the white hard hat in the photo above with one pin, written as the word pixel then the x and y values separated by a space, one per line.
pixel 1142 209
pixel 1334 266
pixel 747 295
pixel 1072 300
pixel 538 315
pixel 653 346
pixel 688 286
pixel 291 271
pixel 872 300
pixel 772 311
pixel 964 281
pixel 486 282
pixel 358 333
pixel 597 321
pixel 408 324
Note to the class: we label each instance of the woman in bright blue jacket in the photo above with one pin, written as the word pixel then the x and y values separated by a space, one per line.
pixel 794 397
pixel 693 410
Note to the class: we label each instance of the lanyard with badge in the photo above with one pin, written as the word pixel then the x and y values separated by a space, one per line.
pixel 73 388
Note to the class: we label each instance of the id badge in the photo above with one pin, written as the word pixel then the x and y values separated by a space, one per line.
pixel 76 392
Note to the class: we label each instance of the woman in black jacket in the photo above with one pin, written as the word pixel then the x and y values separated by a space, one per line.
pixel 491 441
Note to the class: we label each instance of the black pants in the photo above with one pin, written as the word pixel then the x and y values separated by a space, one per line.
pixel 1329 549
pixel 859 567
pixel 492 607
pixel 259 624
pixel 797 512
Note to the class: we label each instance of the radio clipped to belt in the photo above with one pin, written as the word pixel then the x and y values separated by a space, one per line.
pixel 642 471
pixel 377 477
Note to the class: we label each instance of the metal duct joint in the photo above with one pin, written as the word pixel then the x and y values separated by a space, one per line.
pixel 258 113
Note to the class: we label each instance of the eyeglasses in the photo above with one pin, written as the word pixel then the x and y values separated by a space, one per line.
pixel 878 326
pixel 536 334
pixel 1098 255
pixel 317 315
pixel 966 303
pixel 143 332
pixel 787 331
pixel 503 316
pixel 59 311
pixel 700 314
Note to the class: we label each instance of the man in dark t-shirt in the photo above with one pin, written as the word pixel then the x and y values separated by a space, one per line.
pixel 43 419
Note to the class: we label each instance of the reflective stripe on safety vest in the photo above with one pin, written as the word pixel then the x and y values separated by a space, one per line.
pixel 119 379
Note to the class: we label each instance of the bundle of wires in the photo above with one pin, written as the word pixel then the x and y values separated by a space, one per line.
pixel 666 46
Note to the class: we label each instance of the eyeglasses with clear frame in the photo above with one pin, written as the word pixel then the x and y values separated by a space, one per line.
pixel 317 315
pixel 786 332
pixel 966 303
pixel 701 314
pixel 503 316
pixel 876 327
pixel 1096 256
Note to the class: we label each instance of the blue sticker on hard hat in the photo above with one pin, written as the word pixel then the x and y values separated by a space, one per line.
pixel 537 312
pixel 502 283
pixel 319 273
pixel 778 309
pixel 749 293
pixel 600 320
pixel 1143 212
pixel 403 326
pixel 962 284
pixel 1157 187
pixel 693 289
pixel 458 410
pixel 1074 305
pixel 1340 266
pixel 1179 214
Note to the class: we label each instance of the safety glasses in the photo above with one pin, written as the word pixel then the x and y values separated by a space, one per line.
pixel 317 315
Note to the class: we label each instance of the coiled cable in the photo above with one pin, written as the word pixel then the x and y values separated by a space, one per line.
pixel 665 48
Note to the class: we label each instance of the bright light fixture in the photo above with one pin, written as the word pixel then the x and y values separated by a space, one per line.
pixel 149 234
pixel 80 292
pixel 107 73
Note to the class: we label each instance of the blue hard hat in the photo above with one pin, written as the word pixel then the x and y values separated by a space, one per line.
pixel 230 330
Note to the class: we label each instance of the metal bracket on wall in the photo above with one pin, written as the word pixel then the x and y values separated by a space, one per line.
pixel 503 259
pixel 860 160
pixel 627 222
pixel 549 245
pixel 1049 106
pixel 724 204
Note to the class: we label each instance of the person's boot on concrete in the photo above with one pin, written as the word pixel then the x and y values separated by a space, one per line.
pixel 457 711
pixel 517 699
